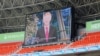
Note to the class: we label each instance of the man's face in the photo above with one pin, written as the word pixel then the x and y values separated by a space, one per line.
pixel 47 18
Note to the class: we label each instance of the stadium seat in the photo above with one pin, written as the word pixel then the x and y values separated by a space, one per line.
pixel 9 48
pixel 89 39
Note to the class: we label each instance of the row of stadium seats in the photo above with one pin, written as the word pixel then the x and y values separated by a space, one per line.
pixel 89 39
pixel 11 48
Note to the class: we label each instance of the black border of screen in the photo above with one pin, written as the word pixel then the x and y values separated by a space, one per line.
pixel 72 35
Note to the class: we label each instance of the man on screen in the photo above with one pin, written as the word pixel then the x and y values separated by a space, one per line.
pixel 47 33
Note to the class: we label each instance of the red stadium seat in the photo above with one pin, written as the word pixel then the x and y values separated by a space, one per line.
pixel 91 38
pixel 9 48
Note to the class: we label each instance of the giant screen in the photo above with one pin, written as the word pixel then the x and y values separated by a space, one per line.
pixel 48 27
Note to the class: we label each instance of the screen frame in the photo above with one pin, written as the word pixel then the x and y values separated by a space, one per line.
pixel 53 43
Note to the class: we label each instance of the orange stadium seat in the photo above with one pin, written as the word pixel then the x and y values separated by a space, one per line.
pixel 9 48
pixel 90 39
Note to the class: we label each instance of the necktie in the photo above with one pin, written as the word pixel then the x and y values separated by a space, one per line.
pixel 46 34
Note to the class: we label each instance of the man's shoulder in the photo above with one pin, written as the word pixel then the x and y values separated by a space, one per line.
pixel 40 29
pixel 52 27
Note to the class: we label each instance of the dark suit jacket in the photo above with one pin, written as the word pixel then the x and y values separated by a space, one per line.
pixel 52 34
